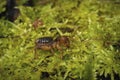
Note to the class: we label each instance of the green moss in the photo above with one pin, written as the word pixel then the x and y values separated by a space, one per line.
pixel 93 42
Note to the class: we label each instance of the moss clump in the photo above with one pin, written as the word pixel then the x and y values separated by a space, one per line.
pixel 94 51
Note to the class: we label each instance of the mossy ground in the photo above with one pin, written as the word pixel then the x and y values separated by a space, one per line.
pixel 94 43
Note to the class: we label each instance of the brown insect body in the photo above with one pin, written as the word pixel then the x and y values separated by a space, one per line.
pixel 63 41
pixel 48 44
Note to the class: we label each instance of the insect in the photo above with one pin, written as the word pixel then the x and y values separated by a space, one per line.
pixel 62 41
pixel 50 44
pixel 44 43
